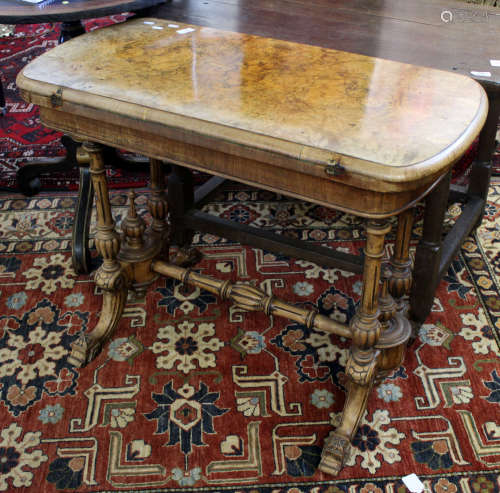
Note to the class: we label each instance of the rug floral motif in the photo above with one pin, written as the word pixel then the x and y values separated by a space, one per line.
pixel 193 394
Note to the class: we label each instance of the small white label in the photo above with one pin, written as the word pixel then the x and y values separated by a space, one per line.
pixel 149 23
pixel 413 483
pixel 495 63
pixel 157 27
pixel 480 74
pixel 173 25
pixel 186 30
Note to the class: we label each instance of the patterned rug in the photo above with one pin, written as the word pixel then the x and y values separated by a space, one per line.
pixel 195 395
pixel 22 138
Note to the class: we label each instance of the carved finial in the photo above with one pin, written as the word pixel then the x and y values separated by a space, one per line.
pixel 133 226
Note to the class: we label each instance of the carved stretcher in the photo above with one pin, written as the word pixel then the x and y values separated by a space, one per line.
pixel 364 135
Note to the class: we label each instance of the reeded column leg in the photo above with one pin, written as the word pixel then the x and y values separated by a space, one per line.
pixel 110 276
pixel 393 301
pixel 388 310
pixel 158 205
pixel 361 367
pixel 180 200
pixel 399 282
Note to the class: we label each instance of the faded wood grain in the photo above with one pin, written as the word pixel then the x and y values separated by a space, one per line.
pixel 384 120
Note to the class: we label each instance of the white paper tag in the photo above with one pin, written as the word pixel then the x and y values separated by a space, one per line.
pixel 495 63
pixel 413 483
pixel 186 30
pixel 173 25
pixel 480 74
pixel 157 27
pixel 149 23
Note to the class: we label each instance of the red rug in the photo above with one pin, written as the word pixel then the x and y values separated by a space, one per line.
pixel 195 395
pixel 22 138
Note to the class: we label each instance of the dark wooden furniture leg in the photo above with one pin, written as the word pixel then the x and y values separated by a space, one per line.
pixel 27 176
pixel 80 251
pixel 180 200
pixel 481 168
pixel 426 272
pixel 434 253
pixel 29 184
pixel 70 30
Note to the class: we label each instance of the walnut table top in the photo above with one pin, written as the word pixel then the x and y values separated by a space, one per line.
pixel 306 111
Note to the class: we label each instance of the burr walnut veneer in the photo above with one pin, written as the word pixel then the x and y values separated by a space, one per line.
pixel 360 134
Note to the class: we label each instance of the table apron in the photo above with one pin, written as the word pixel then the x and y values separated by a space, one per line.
pixel 339 195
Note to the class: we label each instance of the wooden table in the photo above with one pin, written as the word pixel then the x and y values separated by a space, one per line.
pixel 360 134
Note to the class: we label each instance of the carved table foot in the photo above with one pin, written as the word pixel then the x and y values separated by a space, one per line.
pixel 335 453
pixel 88 346
pixel 361 370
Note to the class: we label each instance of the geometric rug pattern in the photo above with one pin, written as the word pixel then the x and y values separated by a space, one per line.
pixel 193 394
